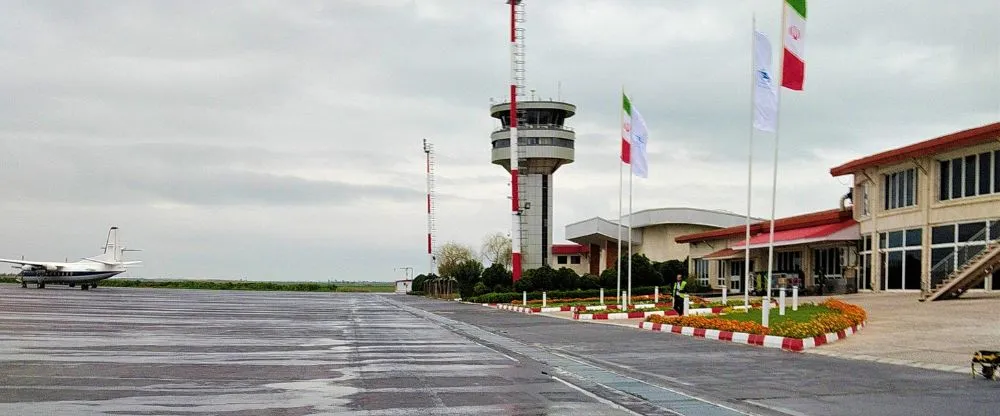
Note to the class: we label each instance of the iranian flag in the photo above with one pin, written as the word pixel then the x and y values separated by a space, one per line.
pixel 793 65
pixel 626 129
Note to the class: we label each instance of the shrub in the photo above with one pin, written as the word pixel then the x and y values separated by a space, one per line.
pixel 479 289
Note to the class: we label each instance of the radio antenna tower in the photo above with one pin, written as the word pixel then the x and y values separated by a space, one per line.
pixel 516 89
pixel 429 151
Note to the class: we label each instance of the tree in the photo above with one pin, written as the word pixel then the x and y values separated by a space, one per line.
pixel 497 275
pixel 589 281
pixel 418 282
pixel 497 250
pixel 565 279
pixel 670 269
pixel 450 256
pixel 467 274
pixel 542 277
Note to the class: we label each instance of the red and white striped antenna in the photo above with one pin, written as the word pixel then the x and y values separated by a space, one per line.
pixel 429 151
pixel 516 88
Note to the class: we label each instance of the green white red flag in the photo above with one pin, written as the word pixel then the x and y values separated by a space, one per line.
pixel 793 66
pixel 626 129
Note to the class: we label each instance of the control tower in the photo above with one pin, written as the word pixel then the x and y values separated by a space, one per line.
pixel 544 144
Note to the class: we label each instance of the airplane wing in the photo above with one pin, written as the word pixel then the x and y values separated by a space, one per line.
pixel 111 263
pixel 33 263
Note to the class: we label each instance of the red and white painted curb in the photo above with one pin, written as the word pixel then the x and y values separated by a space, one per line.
pixel 642 314
pixel 769 341
pixel 536 309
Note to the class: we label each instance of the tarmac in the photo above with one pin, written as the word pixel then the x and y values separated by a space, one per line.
pixel 192 352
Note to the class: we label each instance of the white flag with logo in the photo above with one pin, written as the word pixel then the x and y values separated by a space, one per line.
pixel 640 166
pixel 765 96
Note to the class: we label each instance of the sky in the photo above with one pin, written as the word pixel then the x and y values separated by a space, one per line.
pixel 282 140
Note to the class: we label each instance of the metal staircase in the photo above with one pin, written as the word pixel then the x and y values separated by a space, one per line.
pixel 975 263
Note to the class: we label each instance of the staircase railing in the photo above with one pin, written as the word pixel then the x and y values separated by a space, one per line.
pixel 948 265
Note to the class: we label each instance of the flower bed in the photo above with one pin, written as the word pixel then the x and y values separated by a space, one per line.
pixel 831 316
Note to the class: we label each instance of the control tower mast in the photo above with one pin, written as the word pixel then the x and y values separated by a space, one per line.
pixel 531 144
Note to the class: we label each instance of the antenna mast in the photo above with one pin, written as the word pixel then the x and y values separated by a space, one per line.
pixel 429 151
pixel 516 90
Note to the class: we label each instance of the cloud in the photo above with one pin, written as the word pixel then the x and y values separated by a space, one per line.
pixel 267 138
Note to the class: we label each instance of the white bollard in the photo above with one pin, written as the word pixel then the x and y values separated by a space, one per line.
pixel 602 296
pixel 724 290
pixel 781 302
pixel 656 294
pixel 544 299
pixel 795 298
pixel 687 305
pixel 765 310
pixel 524 298
pixel 623 300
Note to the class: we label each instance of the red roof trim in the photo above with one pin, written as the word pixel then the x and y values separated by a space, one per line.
pixel 569 249
pixel 832 216
pixel 726 252
pixel 817 231
pixel 964 138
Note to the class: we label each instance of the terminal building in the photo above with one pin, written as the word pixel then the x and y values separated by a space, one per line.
pixel 924 218
pixel 653 234
pixel 929 214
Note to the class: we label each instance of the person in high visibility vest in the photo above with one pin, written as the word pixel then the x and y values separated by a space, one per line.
pixel 679 294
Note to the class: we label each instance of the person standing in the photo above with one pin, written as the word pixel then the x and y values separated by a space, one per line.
pixel 679 294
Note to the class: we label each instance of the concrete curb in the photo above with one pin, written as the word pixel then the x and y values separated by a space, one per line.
pixel 769 341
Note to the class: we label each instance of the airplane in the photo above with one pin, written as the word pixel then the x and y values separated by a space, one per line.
pixel 86 272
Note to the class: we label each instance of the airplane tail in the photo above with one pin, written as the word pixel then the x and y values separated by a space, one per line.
pixel 113 250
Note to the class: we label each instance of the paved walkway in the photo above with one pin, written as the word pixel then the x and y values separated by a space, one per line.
pixel 940 335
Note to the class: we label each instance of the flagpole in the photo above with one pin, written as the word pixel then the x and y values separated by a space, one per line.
pixel 621 168
pixel 765 315
pixel 628 295
pixel 746 261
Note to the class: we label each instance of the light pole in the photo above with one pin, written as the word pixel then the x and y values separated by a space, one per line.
pixel 407 272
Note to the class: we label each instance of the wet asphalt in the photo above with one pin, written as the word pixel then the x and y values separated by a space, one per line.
pixel 751 379
pixel 113 351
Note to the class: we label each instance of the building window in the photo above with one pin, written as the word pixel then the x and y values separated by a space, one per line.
pixel 828 261
pixel 944 182
pixel 863 208
pixel 864 260
pixel 701 272
pixel 788 261
pixel 901 189
pixel 574 260
pixel 901 259
pixel 969 176
pixel 947 240
pixel 996 171
pixel 561 259
pixel 722 273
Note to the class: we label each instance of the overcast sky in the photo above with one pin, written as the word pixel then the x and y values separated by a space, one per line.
pixel 282 139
